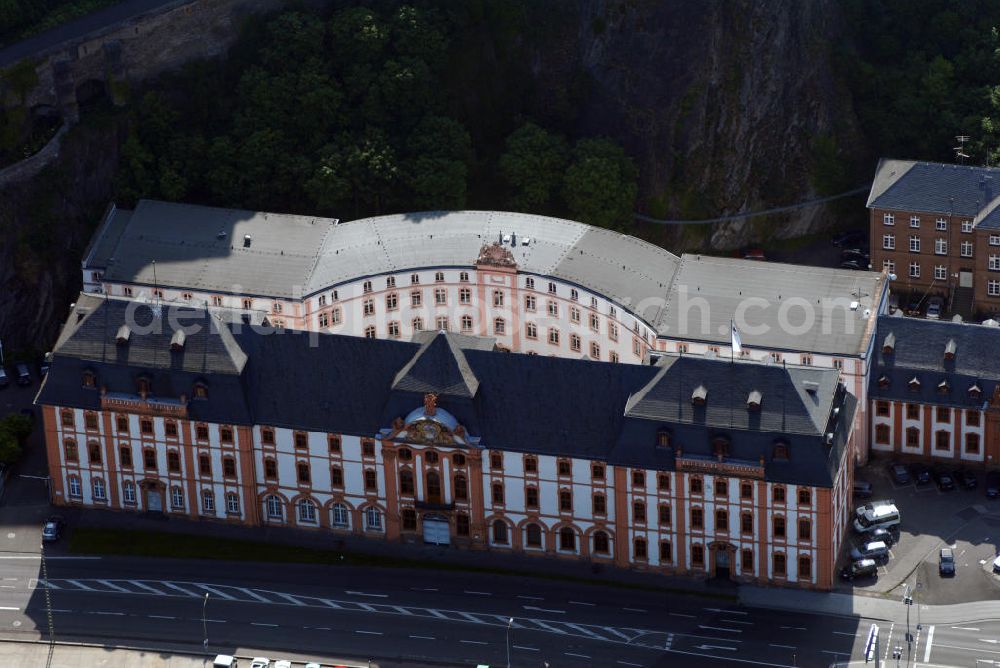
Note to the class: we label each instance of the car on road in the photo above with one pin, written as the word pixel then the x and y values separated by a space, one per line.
pixel 850 238
pixel 899 474
pixel 864 568
pixel 856 253
pixel 52 529
pixel 875 549
pixel 921 473
pixel 965 478
pixel 260 662
pixel 754 254
pixel 935 305
pixel 992 485
pixel 854 264
pixel 996 565
pixel 944 481
pixel 225 661
pixel 23 375
pixel 4 379
pixel 946 562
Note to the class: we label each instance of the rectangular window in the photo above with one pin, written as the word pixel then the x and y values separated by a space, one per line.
pixel 993 288
pixel 697 555
pixel 995 240
pixel 966 248
pixel 149 460
pixel 941 224
pixel 779 564
pixel 882 408
pixel 914 244
pixel 746 561
pixel 966 226
pixel 746 491
pixel 972 418
pixel 697 518
pixel 888 219
pixel 940 247
pixel 805 530
pixel 889 266
pixel 600 504
pixel 663 515
pixel 914 270
pixel 912 411
pixel 940 272
pixel 914 221
pixel 889 241
pixel 994 263
pixel 943 414
pixel 666 553
pixel 778 494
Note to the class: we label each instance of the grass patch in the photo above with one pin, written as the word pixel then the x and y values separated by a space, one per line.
pixel 162 544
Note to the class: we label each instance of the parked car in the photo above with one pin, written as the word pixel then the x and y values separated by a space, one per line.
pixel 944 480
pixel 854 264
pixel 996 565
pixel 914 305
pixel 935 305
pixel 225 661
pixel 888 536
pixel 754 254
pixel 850 238
pixel 4 380
pixel 875 549
pixel 283 663
pixel 52 529
pixel 260 662
pixel 855 254
pixel 992 485
pixel 865 568
pixel 899 474
pixel 921 473
pixel 23 375
pixel 965 478
pixel 862 489
pixel 946 562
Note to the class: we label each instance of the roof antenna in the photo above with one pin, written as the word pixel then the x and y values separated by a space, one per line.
pixel 960 153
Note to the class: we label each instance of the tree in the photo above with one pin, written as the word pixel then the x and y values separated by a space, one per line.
pixel 533 166
pixel 13 430
pixel 328 186
pixel 600 186
pixel 371 168
pixel 437 171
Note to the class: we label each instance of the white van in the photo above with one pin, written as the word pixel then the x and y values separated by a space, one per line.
pixel 880 516
pixel 225 661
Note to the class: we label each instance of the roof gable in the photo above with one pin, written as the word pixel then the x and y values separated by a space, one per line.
pixel 439 367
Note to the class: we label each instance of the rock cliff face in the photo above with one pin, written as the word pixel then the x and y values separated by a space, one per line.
pixel 722 103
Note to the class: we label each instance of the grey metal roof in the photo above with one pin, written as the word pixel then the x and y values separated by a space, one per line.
pixel 439 367
pixel 202 248
pixel 105 240
pixel 947 189
pixel 767 291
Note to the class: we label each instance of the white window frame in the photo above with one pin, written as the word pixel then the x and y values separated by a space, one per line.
pixel 100 489
pixel 940 272
pixel 889 241
pixel 340 516
pixel 993 288
pixel 967 226
pixel 373 519
pixel 307 511
pixel 966 249
pixel 941 224
pixel 914 244
pixel 914 270
pixel 914 221
pixel 274 511
pixel 232 503
pixel 995 240
pixel 208 501
pixel 888 219
pixel 994 263
pixel 889 265
pixel 75 489
pixel 940 246
pixel 176 498
pixel 128 492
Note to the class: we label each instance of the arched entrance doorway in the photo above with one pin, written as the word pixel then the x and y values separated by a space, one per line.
pixel 152 495
pixel 722 560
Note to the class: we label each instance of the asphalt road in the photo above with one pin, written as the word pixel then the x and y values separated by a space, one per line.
pixel 403 616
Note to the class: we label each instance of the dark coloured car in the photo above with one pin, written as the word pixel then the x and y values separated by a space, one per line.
pixel 899 474
pixel 887 536
pixel 862 489
pixel 855 254
pixel 992 486
pixel 944 481
pixel 23 375
pixel 946 563
pixel 965 478
pixel 921 473
pixel 853 264
pixel 850 239
pixel 863 568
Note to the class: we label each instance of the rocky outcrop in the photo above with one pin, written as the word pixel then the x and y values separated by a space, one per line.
pixel 721 102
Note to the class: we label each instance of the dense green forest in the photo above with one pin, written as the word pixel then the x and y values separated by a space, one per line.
pixel 368 111
pixel 922 72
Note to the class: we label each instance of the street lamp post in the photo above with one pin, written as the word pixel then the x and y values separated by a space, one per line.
pixel 907 602
pixel 204 620
pixel 510 623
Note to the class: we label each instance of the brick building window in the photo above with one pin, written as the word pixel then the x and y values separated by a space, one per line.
pixel 270 469
pixel 173 461
pixel 697 555
pixel 597 471
pixel 70 451
pixel 666 552
pixel 226 435
pixel 406 485
pixel 779 527
pixel 805 497
pixel 746 561
pixel 565 501
pixel 371 481
pixel 697 518
pixel 663 514
pixel 90 421
pixel 122 423
pixel 882 408
pixel 805 568
pixel 601 543
pixel 972 444
pixel 778 494
pixel 336 476
pixel 461 524
pixel 746 523
pixel 639 548
pixel 409 516
pixel 912 437
pixel 746 491
pixel 496 461
pixel 170 429
pixel 564 467
pixel 639 512
pixel 695 485
pixel 638 479
pixel 498 493
pixel 530 465
pixel 146 426
pixel 367 448
pixel 204 464
pixel 943 414
pixel 149 459
pixel 721 488
pixel 779 564
pixel 530 497
pixel 972 418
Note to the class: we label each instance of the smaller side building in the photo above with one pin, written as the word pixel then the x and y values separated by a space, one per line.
pixel 935 390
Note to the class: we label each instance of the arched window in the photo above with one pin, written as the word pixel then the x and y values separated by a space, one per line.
pixel 274 507
pixel 232 503
pixel 433 487
pixel 307 511
pixel 373 519
pixel 128 492
pixel 533 535
pixel 340 516
pixel 70 449
pixel 500 532
pixel 601 543
pixel 567 539
pixel 208 501
pixel 461 488
pixel 406 482
pixel 100 492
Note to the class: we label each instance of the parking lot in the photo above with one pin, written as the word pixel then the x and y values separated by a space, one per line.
pixel 964 520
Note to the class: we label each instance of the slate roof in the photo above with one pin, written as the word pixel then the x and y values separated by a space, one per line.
pixel 963 190
pixel 918 351
pixel 708 291
pixel 522 403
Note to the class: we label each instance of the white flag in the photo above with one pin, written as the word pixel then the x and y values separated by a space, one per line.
pixel 737 343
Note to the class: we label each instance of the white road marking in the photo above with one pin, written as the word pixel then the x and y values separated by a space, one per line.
pixel 965 628
pixel 616 632
pixel 213 621
pixel 527 649
pixel 60 610
pixel 720 628
pixel 423 589
pixel 322 628
pixel 370 633
pixel 728 612
pixel 989 640
pixel 10 579
pixel 472 618
pixel 217 592
pixel 793 628
pixel 102 612
pixel 401 610
pixel 680 614
pixel 474 642
pixel 77 583
pixel 628 663
pixel 553 629
pixel 781 646
pixel 145 586
pixel 477 593
pixel 263 624
pixel 579 656
pixel 733 621
pixel 423 637
pixel 9 586
pixel 252 594
pixel 827 651
pixel 531 598
pixel 731 649
pixel 361 593
pixel 182 589
pixel 930 643
pixel 6 608
pixel 585 631
pixel 112 585
pixel 844 633
pixel 531 607
pixel 160 617
pixel 634 610
pixel 582 603
pixel 289 598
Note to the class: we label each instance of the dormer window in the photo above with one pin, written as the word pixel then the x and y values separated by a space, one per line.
pixel 889 345
pixel 122 337
pixel 177 341
pixel 663 438
pixel 949 349
pixel 943 387
pixel 780 451
pixel 89 379
pixel 142 385
pixel 699 396
pixel 914 384
pixel 200 390
pixel 754 400
pixel 720 446
pixel 883 381
pixel 975 391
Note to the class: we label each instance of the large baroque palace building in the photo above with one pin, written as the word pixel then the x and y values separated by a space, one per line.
pixel 690 465
pixel 535 284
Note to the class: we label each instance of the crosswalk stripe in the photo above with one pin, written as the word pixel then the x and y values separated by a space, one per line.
pixel 77 583
pixel 585 630
pixel 217 592
pixel 615 631
pixel 330 603
pixel 288 597
pixel 472 618
pixel 252 594
pixel 112 585
pixel 548 627
pixel 181 589
pixel 139 584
